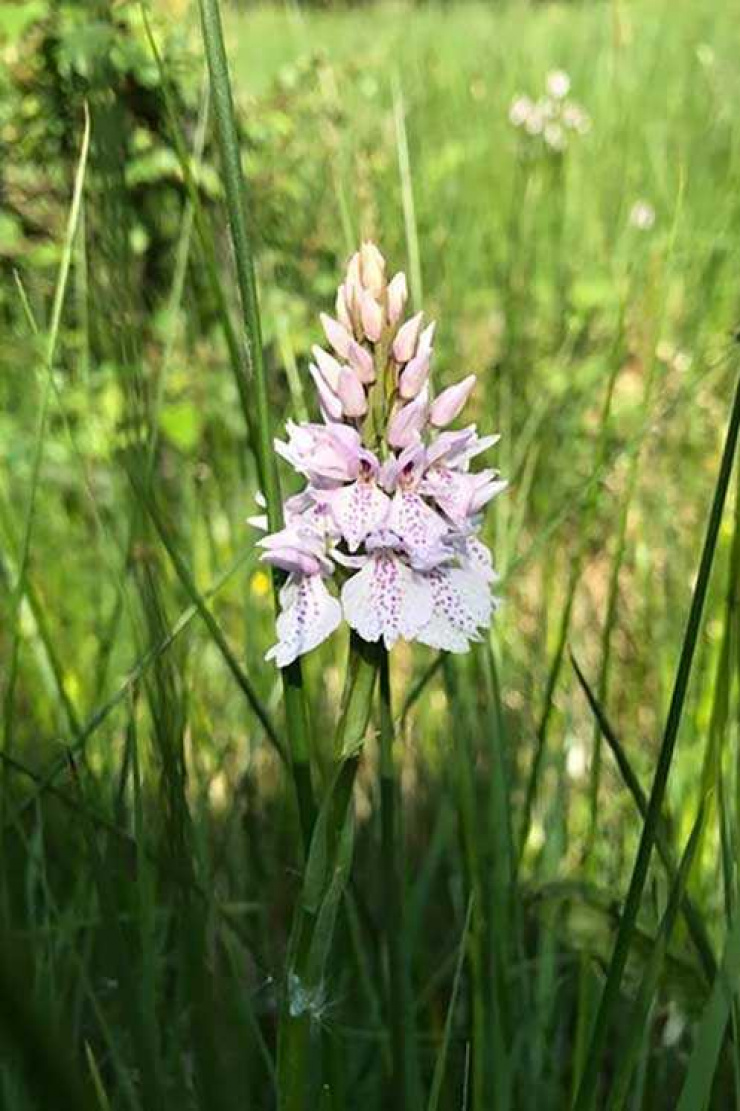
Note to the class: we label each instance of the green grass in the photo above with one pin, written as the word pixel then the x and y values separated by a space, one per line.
pixel 192 912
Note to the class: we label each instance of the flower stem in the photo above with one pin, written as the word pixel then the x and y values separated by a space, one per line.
pixel 392 870
pixel 309 967
pixel 236 204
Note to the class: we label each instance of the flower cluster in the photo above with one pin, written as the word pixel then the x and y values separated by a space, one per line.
pixel 553 117
pixel 391 511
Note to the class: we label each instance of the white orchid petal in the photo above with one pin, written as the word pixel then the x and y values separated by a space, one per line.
pixel 308 615
pixel 387 599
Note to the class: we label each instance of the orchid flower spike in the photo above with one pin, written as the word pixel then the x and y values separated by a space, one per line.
pixel 385 534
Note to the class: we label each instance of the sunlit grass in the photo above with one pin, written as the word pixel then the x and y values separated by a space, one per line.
pixel 153 854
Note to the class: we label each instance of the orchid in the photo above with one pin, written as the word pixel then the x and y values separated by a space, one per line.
pixel 386 533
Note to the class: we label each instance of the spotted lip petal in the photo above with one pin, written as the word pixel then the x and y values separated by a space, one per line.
pixel 461 605
pixel 308 615
pixel 358 510
pixel 387 599
pixel 420 528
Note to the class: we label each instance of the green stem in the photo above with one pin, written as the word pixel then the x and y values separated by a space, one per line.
pixel 296 715
pixel 392 871
pixel 326 874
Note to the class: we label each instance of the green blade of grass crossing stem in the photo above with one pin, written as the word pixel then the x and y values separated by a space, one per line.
pixel 296 714
pixel 587 1092
pixel 640 1017
pixel 440 1064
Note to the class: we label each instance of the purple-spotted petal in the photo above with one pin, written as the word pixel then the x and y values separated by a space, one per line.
pixel 308 615
pixel 387 600
pixel 416 523
pixel 476 557
pixel 462 605
pixel 358 510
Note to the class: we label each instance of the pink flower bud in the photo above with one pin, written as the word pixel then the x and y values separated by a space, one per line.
pixel 414 375
pixel 397 295
pixel 336 334
pixel 331 406
pixel 372 267
pixel 354 276
pixel 407 422
pixel 450 402
pixel 344 308
pixel 362 361
pixel 351 393
pixel 371 316
pixel 328 366
pixel 404 344
pixel 425 339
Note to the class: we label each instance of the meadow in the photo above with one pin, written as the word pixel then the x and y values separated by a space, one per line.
pixel 504 879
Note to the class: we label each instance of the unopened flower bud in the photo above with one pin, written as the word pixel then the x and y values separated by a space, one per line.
pixel 371 316
pixel 336 334
pixel 407 422
pixel 424 346
pixel 450 402
pixel 330 404
pixel 397 296
pixel 404 344
pixel 361 360
pixel 354 275
pixel 328 366
pixel 414 375
pixel 372 269
pixel 344 308
pixel 351 394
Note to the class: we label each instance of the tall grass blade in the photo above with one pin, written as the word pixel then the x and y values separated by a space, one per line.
pixel 296 712
pixel 60 293
pixel 697 1086
pixel 640 1017
pixel 587 1092
pixel 440 1066
pixel 692 915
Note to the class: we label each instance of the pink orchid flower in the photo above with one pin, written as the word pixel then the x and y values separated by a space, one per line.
pixel 385 535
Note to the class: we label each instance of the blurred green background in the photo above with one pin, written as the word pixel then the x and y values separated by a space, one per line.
pixel 594 291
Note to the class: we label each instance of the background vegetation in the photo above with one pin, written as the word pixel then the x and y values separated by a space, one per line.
pixel 150 842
